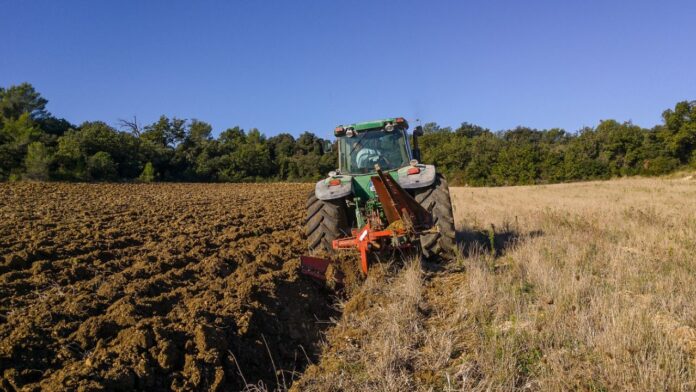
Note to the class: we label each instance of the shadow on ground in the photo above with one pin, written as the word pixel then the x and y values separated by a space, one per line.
pixel 494 241
pixel 284 333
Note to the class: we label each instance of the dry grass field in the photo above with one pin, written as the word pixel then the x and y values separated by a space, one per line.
pixel 587 286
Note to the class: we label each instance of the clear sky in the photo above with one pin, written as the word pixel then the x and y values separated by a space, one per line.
pixel 292 66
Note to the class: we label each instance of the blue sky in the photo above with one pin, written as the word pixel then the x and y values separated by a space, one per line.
pixel 292 66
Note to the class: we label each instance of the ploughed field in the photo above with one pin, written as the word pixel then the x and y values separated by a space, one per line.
pixel 155 287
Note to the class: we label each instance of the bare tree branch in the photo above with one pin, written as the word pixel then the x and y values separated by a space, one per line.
pixel 130 126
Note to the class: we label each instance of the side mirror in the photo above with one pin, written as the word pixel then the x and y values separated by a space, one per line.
pixel 415 152
pixel 328 146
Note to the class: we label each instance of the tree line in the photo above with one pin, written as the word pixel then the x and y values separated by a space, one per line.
pixel 35 145
pixel 474 155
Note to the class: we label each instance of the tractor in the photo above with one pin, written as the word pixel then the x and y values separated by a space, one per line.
pixel 380 200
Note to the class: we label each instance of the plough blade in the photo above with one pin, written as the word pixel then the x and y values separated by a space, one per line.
pixel 316 267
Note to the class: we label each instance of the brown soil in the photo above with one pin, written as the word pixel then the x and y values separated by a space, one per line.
pixel 155 287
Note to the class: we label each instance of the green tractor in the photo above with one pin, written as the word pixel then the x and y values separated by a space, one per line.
pixel 380 199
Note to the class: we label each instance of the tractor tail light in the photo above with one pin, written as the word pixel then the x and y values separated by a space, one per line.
pixel 400 119
pixel 413 170
pixel 335 182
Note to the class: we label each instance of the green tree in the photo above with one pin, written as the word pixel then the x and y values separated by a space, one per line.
pixel 196 141
pixel 20 130
pixel 582 158
pixel 309 143
pixel 69 158
pixel 15 135
pixel 656 153
pixel 448 151
pixel 200 131
pixel 37 162
pixel 620 146
pixel 165 132
pixel 123 148
pixel 282 148
pixel 98 136
pixel 17 100
pixel 231 139
pixel 207 164
pixel 471 130
pixel 680 124
pixel 157 143
pixel 54 126
pixel 517 164
pixel 248 158
pixel 484 154
pixel 433 127
pixel 305 167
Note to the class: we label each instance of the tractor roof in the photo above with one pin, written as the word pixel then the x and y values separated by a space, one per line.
pixel 400 122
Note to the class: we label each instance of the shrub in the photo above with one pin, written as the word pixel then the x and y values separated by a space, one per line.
pixel 101 166
pixel 148 174
pixel 659 165
pixel 37 162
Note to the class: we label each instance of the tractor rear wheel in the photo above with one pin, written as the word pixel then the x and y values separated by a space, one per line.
pixel 326 221
pixel 436 199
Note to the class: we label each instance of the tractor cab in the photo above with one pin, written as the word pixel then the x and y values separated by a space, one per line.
pixel 362 146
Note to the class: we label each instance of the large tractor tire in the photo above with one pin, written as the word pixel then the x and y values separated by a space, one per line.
pixel 436 199
pixel 326 221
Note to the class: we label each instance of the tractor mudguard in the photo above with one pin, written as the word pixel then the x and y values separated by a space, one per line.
pixel 425 177
pixel 325 190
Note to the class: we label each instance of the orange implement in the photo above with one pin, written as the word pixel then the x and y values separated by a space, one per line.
pixel 364 239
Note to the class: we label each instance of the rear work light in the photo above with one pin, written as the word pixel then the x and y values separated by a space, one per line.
pixel 413 170
pixel 335 182
pixel 339 131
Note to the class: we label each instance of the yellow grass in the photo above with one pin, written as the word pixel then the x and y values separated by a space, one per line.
pixel 597 293
pixel 589 286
